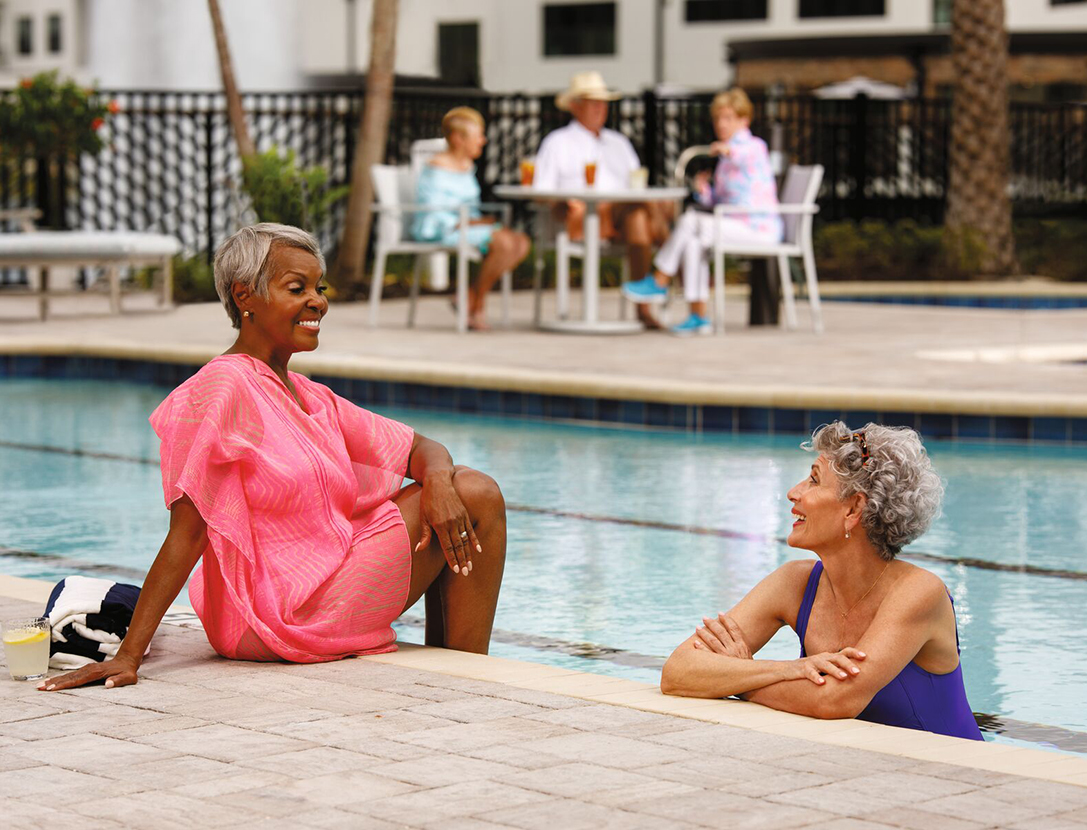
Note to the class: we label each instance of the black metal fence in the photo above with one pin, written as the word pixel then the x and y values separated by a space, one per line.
pixel 171 166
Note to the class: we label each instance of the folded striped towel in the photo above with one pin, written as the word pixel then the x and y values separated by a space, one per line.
pixel 89 618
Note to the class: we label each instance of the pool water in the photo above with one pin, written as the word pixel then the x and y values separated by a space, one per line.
pixel 619 540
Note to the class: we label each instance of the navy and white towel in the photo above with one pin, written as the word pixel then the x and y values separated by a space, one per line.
pixel 89 618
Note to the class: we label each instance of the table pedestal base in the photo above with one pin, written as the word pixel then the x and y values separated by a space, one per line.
pixel 595 327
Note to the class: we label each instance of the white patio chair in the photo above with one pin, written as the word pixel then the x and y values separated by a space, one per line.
pixel 797 208
pixel 394 189
pixel 436 265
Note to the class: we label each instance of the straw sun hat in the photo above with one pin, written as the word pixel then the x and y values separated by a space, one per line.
pixel 586 85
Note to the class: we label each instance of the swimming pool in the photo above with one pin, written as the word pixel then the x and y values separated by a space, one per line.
pixel 619 540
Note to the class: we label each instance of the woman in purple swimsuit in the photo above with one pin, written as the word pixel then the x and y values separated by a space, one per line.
pixel 878 639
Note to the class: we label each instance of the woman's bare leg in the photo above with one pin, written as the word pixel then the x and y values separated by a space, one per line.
pixel 507 249
pixel 460 609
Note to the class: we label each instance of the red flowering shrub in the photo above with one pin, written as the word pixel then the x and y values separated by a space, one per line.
pixel 45 117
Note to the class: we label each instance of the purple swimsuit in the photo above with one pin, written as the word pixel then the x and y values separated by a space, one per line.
pixel 916 699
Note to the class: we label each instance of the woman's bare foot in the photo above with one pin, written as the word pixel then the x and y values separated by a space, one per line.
pixel 477 322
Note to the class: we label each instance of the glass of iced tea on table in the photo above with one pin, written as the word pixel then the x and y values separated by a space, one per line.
pixel 590 173
pixel 528 171
pixel 26 647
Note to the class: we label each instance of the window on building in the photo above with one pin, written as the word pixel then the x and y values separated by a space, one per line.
pixel 53 30
pixel 458 53
pixel 941 12
pixel 842 8
pixel 698 11
pixel 25 35
pixel 579 29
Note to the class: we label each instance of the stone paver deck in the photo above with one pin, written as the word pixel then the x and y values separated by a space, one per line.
pixel 377 743
pixel 875 357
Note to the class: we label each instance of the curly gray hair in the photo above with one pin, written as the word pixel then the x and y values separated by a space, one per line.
pixel 903 490
pixel 243 258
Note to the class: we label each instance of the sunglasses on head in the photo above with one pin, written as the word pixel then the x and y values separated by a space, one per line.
pixel 862 442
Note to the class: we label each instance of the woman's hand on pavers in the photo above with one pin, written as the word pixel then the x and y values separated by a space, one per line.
pixel 116 672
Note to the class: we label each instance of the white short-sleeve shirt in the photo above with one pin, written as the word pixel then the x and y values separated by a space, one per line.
pixel 560 162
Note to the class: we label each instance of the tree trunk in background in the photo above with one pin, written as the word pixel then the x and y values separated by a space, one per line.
pixel 235 113
pixel 349 272
pixel 979 155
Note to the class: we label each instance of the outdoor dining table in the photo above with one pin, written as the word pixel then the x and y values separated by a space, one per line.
pixel 590 282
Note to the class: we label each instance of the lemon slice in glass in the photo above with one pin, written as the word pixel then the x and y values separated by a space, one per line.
pixel 22 637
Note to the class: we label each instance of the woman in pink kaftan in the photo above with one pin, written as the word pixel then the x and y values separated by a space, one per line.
pixel 307 556
pixel 292 498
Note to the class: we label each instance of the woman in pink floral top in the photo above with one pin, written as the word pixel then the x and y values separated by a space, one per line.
pixel 743 177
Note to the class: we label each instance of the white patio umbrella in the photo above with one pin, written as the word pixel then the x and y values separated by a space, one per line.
pixel 860 85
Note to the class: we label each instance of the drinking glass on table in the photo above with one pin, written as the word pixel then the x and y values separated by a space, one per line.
pixel 590 173
pixel 26 647
pixel 528 171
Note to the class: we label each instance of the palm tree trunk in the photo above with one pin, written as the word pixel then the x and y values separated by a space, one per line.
pixel 235 113
pixel 349 271
pixel 978 204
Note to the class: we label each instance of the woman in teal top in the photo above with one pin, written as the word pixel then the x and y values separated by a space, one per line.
pixel 450 179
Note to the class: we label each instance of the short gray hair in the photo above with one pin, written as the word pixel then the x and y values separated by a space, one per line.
pixel 244 258
pixel 903 490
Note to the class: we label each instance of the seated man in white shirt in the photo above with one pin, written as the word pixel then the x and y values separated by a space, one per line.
pixel 561 164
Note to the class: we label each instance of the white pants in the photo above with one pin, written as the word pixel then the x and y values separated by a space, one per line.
pixel 692 239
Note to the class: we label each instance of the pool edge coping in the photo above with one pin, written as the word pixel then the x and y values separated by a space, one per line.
pixel 848 733
pixel 693 393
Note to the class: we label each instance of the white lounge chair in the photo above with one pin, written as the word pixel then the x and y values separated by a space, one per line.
pixel 111 250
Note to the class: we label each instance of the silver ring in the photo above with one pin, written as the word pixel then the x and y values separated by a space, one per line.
pixel 464 534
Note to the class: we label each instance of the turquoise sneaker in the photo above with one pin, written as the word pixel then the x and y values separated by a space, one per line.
pixel 693 325
pixel 645 290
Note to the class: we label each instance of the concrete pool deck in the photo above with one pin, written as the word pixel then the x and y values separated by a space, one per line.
pixel 879 358
pixel 433 738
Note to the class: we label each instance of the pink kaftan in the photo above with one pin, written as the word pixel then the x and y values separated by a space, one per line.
pixel 307 560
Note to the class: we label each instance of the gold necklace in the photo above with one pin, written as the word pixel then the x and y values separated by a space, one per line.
pixel 834 594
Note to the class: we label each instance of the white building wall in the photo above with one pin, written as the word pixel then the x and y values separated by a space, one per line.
pixel 41 59
pixel 1040 16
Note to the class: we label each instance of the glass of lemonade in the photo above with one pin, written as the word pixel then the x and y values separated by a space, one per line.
pixel 26 647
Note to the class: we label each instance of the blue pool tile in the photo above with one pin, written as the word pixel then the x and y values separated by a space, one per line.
pixel 381 394
pixel 443 398
pixel 513 403
pixel 585 409
pixel 857 418
pixel 718 418
pixel 658 414
pixel 752 419
pixel 607 410
pixel 534 405
pixel 898 419
pixel 683 417
pixel 790 420
pixel 27 366
pixel 467 400
pixel 1078 429
pixel 937 425
pixel 341 386
pixel 819 417
pixel 1011 428
pixel 490 401
pixel 632 412
pixel 974 426
pixel 559 406
pixel 1049 429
